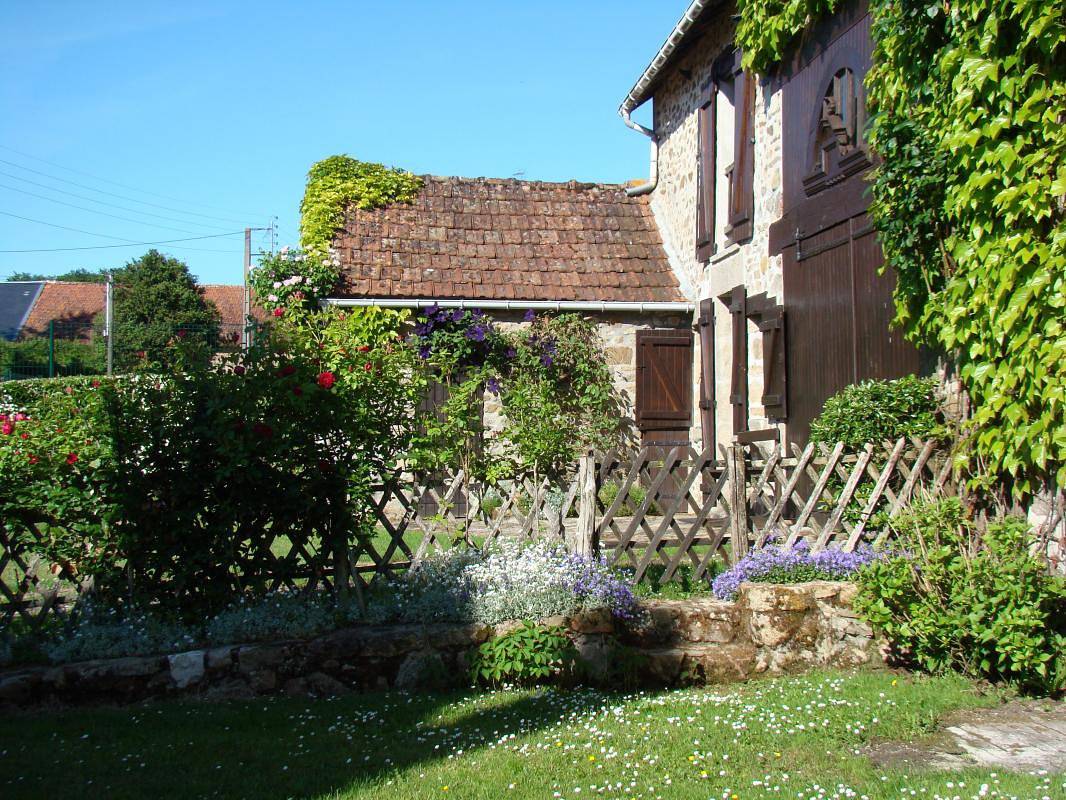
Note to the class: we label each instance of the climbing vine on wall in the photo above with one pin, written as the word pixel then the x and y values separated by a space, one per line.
pixel 304 276
pixel 336 182
pixel 767 27
pixel 969 119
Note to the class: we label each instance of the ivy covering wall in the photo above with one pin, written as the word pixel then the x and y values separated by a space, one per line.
pixel 968 103
pixel 336 182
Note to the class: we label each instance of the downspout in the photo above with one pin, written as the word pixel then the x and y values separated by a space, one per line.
pixel 653 168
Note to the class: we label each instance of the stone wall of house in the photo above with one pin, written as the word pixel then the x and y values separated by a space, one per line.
pixel 618 332
pixel 674 201
pixel 769 630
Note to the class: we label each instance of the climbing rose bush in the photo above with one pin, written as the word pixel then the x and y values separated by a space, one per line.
pixel 509 582
pixel 779 563
pixel 293 279
pixel 55 456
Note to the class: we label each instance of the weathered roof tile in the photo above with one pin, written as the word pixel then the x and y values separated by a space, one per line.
pixel 491 239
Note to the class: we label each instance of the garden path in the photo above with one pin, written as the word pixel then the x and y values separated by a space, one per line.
pixel 1020 735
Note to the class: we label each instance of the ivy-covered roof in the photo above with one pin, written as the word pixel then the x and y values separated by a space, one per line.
pixel 505 239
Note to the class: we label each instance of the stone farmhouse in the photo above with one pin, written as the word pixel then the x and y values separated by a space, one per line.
pixel 736 289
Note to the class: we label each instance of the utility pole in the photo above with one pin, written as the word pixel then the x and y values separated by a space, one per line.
pixel 109 322
pixel 246 336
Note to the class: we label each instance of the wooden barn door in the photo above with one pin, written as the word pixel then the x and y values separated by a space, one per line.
pixel 664 389
pixel 839 308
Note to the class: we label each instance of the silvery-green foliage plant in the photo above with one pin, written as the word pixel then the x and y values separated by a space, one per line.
pixel 111 633
pixel 509 581
pixel 279 615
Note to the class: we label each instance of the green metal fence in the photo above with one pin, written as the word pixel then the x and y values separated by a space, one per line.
pixel 80 348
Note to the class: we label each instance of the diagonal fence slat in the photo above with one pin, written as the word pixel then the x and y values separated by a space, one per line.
pixel 667 511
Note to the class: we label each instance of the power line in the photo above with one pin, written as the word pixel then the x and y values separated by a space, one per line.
pixel 119 196
pixel 127 242
pixel 94 211
pixel 122 185
pixel 105 203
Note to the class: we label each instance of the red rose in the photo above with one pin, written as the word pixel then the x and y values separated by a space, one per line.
pixel 96 384
pixel 262 429
pixel 72 458
pixel 238 370
pixel 278 312
pixel 297 390
pixel 33 459
pixel 24 435
pixel 7 428
pixel 364 349
pixel 286 371
pixel 326 380
pixel 181 334
pixel 368 366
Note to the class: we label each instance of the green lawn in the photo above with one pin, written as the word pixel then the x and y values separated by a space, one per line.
pixel 767 739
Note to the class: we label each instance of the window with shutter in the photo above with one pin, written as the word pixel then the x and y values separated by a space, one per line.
pixel 706 122
pixel 739 226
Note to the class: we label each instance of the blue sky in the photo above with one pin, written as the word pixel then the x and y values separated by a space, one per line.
pixel 198 118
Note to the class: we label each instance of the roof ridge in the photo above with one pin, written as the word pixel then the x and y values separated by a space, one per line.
pixel 573 183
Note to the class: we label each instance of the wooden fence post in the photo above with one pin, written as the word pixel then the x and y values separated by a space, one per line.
pixel 583 540
pixel 738 495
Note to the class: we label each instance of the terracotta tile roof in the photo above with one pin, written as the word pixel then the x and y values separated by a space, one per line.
pixel 492 239
pixel 72 305
pixel 78 304
pixel 229 300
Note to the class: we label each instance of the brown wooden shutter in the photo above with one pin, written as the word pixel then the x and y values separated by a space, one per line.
pixel 706 122
pixel 775 374
pixel 742 175
pixel 664 379
pixel 736 302
pixel 705 324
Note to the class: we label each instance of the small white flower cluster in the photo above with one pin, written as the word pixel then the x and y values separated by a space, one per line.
pixel 511 581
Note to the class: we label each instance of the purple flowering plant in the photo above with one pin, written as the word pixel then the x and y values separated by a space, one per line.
pixel 781 563
pixel 457 340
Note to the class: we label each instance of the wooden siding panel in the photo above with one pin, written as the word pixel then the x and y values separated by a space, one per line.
pixel 801 103
pixel 819 322
pixel 882 352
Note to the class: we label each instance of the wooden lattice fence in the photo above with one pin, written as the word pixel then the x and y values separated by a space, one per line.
pixel 639 509
pixel 689 507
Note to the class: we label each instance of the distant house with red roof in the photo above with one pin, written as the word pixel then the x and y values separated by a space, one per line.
pixel 74 307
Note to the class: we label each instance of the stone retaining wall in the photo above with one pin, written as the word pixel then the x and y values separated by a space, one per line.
pixel 770 629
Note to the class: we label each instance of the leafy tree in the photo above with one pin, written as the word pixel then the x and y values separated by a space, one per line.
pixel 156 303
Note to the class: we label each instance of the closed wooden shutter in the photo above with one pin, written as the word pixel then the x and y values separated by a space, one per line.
pixel 706 329
pixel 742 175
pixel 769 317
pixel 664 379
pixel 736 301
pixel 706 120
